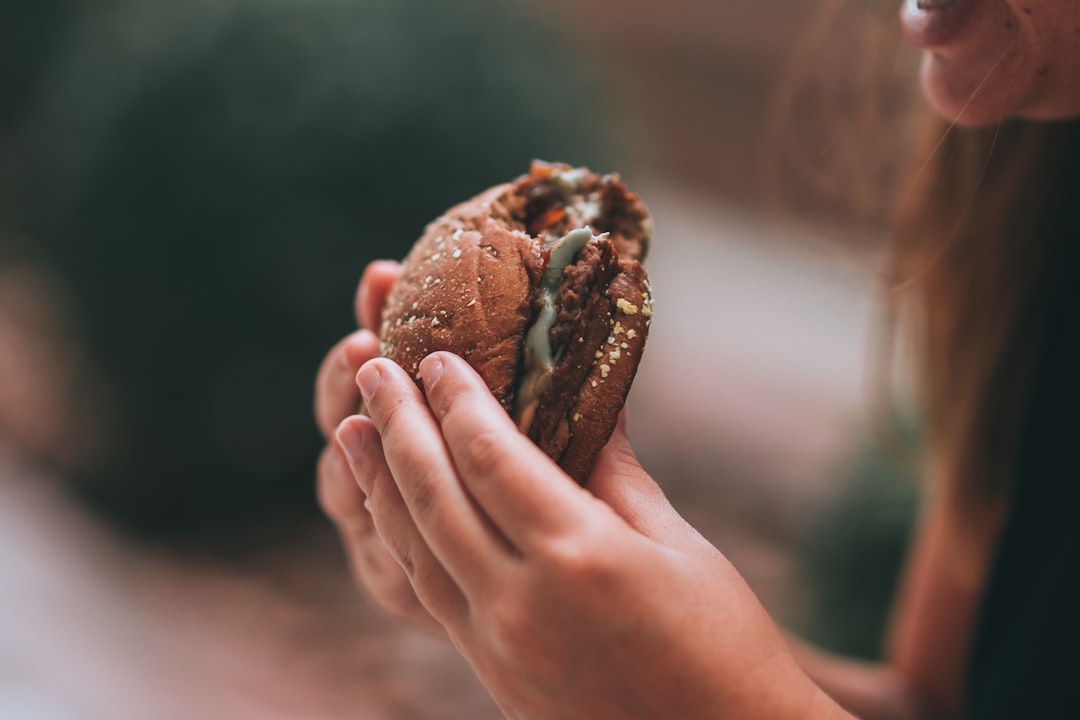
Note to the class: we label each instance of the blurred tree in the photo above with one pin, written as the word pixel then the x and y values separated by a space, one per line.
pixel 208 179
pixel 28 34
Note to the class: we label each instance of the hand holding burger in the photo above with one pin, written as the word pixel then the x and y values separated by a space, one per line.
pixel 472 285
pixel 572 602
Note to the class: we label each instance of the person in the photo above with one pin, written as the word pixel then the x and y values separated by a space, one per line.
pixel 602 602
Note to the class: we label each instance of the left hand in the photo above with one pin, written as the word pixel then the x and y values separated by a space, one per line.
pixel 569 602
pixel 336 398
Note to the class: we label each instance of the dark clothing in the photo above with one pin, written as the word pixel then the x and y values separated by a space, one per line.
pixel 1026 656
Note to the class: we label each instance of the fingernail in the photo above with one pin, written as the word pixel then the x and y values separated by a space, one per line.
pixel 350 439
pixel 368 379
pixel 431 369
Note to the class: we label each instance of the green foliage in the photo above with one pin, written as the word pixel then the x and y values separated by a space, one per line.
pixel 209 177
pixel 29 31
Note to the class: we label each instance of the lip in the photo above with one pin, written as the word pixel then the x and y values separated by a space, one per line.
pixel 934 23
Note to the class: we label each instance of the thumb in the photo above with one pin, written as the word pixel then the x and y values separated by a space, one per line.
pixel 621 482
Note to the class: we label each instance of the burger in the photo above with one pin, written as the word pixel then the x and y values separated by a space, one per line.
pixel 539 285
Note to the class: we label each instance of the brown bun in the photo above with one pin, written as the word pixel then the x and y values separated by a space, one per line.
pixel 474 284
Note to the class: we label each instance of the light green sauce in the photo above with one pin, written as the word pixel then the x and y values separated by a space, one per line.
pixel 539 358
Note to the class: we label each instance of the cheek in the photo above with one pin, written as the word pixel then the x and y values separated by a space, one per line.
pixel 1058 77
pixel 1051 54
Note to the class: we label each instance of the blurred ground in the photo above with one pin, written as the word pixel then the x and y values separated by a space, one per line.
pixel 745 411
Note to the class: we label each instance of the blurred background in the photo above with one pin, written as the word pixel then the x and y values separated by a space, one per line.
pixel 188 194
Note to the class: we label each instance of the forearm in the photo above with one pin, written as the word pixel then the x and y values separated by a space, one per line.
pixel 870 691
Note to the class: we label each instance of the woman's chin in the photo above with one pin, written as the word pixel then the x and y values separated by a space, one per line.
pixel 971 99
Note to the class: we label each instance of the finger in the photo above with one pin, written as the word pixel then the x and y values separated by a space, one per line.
pixel 619 480
pixel 446 515
pixel 522 490
pixel 379 277
pixel 433 586
pixel 385 583
pixel 340 497
pixel 375 569
pixel 345 503
pixel 336 394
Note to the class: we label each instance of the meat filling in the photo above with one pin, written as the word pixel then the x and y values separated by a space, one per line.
pixel 552 205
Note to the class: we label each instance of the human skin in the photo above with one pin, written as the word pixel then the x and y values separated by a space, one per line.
pixel 1001 59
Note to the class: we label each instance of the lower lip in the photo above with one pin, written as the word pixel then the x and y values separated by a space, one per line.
pixel 928 26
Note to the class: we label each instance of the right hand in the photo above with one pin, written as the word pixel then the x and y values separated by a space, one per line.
pixel 336 398
pixel 560 597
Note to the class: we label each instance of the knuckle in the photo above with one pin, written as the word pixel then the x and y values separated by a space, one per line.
pixel 396 420
pixel 388 586
pixel 423 495
pixel 405 605
pixel 509 622
pixel 578 563
pixel 380 497
pixel 485 453
pixel 429 586
pixel 395 601
pixel 512 636
pixel 394 519
pixel 402 552
pixel 383 576
pixel 374 567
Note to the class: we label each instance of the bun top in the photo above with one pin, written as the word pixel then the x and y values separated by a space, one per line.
pixel 467 287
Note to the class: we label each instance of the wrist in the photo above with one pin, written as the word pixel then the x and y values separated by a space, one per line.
pixel 779 690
